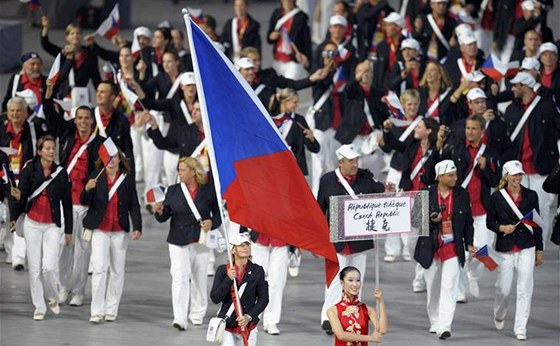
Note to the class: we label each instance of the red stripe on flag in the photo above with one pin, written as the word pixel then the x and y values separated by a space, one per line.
pixel 280 209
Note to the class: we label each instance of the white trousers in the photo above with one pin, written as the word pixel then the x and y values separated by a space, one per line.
pixel 442 282
pixel 136 135
pixel 291 70
pixel 189 262
pixel 482 236
pixel 43 246
pixel 325 160
pixel 15 247
pixel 333 293
pixel 524 263
pixel 274 260
pixel 232 339
pixel 108 254
pixel 152 158
pixel 71 254
pixel 547 201
pixel 170 162
pixel 82 253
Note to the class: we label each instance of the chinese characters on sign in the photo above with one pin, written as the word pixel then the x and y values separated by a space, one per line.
pixel 377 216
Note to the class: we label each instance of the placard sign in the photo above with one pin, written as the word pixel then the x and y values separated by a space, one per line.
pixel 378 215
pixel 374 216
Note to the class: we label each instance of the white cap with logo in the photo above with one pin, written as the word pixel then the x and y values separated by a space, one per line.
pixel 524 78
pixel 475 93
pixel 410 43
pixel 187 78
pixel 347 151
pixel 337 19
pixel 512 167
pixel 444 167
pixel 394 17
pixel 548 47
pixel 240 238
pixel 244 63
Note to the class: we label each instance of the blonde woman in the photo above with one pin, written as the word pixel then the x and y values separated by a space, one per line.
pixel 84 63
pixel 193 209
pixel 519 247
pixel 435 92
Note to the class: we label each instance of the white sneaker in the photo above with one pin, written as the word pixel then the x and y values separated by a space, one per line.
pixel 406 257
pixel 473 288
pixel 272 329
pixel 96 319
pixel 38 315
pixel 77 300
pixel 8 259
pixel 178 325
pixel 521 336
pixel 110 318
pixel 433 329
pixel 54 307
pixel 62 295
pixel 196 321
pixel 499 324
pixel 461 298
pixel 418 288
pixel 389 258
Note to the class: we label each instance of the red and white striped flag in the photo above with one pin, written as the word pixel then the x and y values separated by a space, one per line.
pixel 111 25
pixel 55 70
pixel 135 47
pixel 107 151
pixel 155 195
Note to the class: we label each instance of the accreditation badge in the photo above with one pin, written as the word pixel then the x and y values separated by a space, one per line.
pixel 447 231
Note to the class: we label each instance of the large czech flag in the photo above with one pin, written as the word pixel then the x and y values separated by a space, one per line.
pixel 254 171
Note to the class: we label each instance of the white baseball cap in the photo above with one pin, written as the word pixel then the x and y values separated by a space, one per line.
pixel 410 43
pixel 337 19
pixel 548 47
pixel 444 167
pixel 347 151
pixel 467 37
pixel 245 63
pixel 512 167
pixel 462 29
pixel 240 238
pixel 530 63
pixel 528 5
pixel 187 78
pixel 524 78
pixel 475 93
pixel 142 31
pixel 439 1
pixel 394 17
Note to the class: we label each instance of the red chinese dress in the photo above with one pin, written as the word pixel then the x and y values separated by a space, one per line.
pixel 354 318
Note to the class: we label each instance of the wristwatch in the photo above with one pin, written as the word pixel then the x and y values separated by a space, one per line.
pixel 249 318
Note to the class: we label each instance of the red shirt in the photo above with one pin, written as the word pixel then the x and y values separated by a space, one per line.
pixel 435 113
pixel 159 56
pixel 241 27
pixel 34 85
pixel 354 318
pixel 446 251
pixel 527 150
pixel 393 50
pixel 105 117
pixel 80 58
pixel 16 161
pixel 416 183
pixel 475 186
pixel 278 54
pixel 110 222
pixel 240 274
pixel 79 174
pixel 41 207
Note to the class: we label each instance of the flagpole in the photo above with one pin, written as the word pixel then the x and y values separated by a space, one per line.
pixel 215 173
pixel 377 313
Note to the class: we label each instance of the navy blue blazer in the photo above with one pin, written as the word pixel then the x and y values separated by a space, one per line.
pixel 253 301
pixel 184 228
